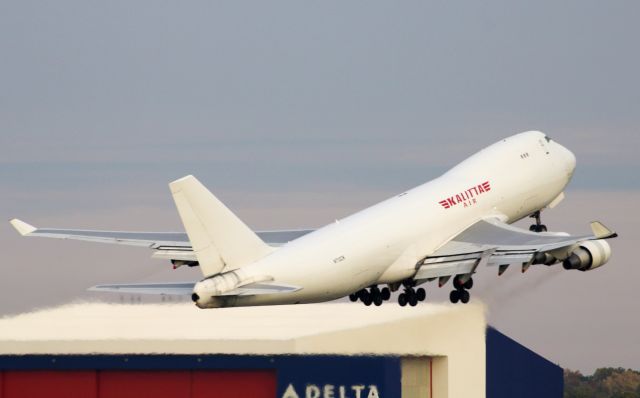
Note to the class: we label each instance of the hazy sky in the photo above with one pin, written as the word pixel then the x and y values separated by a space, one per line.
pixel 295 113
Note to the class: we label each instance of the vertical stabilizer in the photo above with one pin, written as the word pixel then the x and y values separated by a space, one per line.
pixel 219 239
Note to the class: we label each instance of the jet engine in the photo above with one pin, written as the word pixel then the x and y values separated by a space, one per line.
pixel 590 254
pixel 215 285
pixel 544 258
pixel 206 291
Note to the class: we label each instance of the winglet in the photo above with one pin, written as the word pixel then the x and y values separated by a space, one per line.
pixel 602 232
pixel 22 227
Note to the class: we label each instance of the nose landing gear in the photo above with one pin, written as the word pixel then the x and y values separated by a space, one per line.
pixel 538 226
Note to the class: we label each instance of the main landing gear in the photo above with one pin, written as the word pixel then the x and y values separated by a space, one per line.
pixel 461 292
pixel 376 296
pixel 411 296
pixel 538 226
pixel 373 295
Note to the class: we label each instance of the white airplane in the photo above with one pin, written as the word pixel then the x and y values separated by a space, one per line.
pixel 450 227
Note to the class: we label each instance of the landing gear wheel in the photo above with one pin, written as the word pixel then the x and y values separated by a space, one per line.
pixel 376 295
pixel 353 297
pixel 402 299
pixel 538 226
pixel 468 284
pixel 456 283
pixel 464 296
pixel 412 297
pixel 421 294
pixel 386 293
pixel 366 299
pixel 454 296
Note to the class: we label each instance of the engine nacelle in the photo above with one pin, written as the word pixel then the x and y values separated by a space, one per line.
pixel 589 255
pixel 544 258
pixel 206 292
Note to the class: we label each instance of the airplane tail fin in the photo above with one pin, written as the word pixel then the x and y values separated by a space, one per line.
pixel 220 240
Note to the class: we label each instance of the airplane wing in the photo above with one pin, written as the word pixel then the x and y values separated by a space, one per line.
pixel 492 242
pixel 174 246
pixel 186 288
pixel 166 245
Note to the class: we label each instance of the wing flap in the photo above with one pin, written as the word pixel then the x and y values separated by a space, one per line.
pixel 180 255
pixel 450 268
pixel 509 258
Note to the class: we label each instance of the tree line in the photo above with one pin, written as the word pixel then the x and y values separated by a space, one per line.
pixel 604 383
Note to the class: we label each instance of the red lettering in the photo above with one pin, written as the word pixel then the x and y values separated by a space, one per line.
pixel 467 197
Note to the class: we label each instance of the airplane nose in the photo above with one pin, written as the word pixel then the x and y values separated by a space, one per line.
pixel 566 157
pixel 570 161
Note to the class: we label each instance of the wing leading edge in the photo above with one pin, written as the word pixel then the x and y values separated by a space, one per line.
pixel 152 240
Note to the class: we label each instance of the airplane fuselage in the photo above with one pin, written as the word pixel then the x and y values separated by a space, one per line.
pixel 509 180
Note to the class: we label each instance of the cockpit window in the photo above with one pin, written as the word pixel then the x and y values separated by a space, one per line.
pixel 546 137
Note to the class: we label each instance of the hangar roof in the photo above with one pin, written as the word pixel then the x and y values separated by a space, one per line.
pixel 340 328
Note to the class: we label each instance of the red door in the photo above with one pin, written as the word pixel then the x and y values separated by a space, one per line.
pixel 234 384
pixel 49 384
pixel 144 384
pixel 138 384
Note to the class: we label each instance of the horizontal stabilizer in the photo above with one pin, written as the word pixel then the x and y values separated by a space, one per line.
pixel 174 289
pixel 186 288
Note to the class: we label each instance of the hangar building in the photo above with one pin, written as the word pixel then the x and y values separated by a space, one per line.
pixel 304 351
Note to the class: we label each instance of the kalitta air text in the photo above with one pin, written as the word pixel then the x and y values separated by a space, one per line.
pixel 466 198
